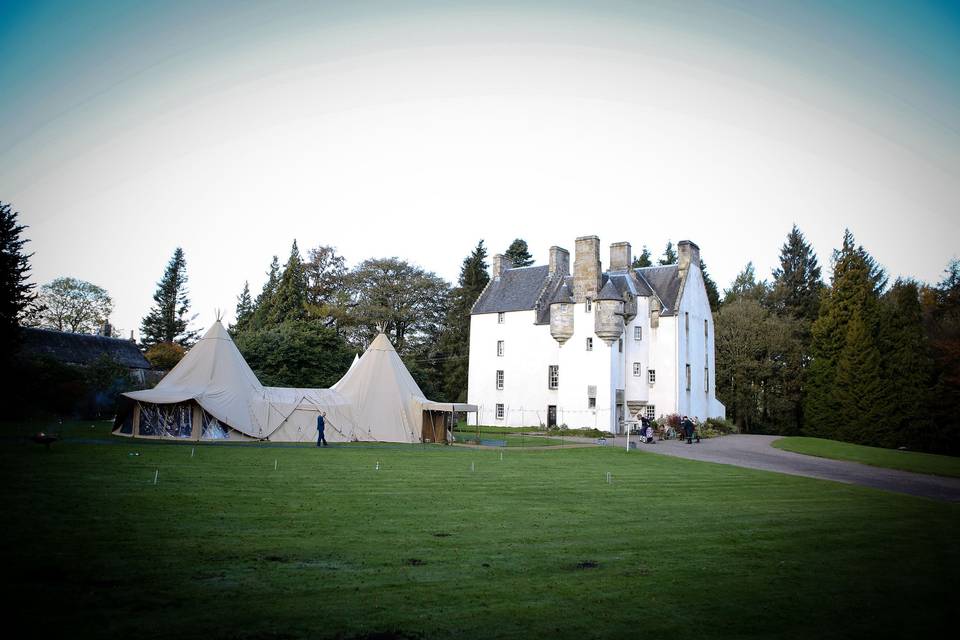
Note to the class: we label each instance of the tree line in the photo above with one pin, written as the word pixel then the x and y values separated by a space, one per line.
pixel 856 359
pixel 852 357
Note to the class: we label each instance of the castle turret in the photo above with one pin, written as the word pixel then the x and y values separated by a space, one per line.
pixel 561 314
pixel 608 319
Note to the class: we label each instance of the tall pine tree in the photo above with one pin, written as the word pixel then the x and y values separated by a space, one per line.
pixel 16 294
pixel 796 282
pixel 859 395
pixel 454 343
pixel 264 301
pixel 669 254
pixel 167 320
pixel 906 360
pixel 643 260
pixel 855 287
pixel 289 300
pixel 713 296
pixel 244 309
pixel 519 253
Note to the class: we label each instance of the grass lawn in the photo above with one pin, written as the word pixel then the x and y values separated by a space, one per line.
pixel 889 458
pixel 535 545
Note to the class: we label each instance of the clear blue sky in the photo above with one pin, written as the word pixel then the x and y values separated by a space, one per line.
pixel 416 128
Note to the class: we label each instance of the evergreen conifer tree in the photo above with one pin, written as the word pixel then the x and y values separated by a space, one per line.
pixel 166 321
pixel 796 282
pixel 264 301
pixel 244 309
pixel 519 253
pixel 907 364
pixel 860 393
pixel 16 294
pixel 454 343
pixel 745 286
pixel 855 287
pixel 669 254
pixel 289 299
pixel 713 296
pixel 643 260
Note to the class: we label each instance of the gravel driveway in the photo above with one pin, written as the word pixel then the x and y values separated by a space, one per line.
pixel 756 452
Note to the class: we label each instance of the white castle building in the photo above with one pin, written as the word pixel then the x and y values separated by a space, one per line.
pixel 594 348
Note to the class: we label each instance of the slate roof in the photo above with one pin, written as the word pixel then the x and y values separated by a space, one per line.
pixel 609 292
pixel 665 281
pixel 521 289
pixel 80 348
pixel 515 290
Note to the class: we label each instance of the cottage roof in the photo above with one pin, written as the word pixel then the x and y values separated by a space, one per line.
pixel 80 348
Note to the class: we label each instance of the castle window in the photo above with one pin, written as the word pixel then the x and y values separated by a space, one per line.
pixel 563 307
pixel 499 378
pixel 591 403
pixel 500 348
pixel 499 411
pixel 553 376
pixel 589 344
pixel 705 332
pixel 588 305
pixel 651 376
pixel 651 412
pixel 638 333
pixel 637 369
pixel 620 345
pixel 706 380
pixel 500 317
pixel 688 377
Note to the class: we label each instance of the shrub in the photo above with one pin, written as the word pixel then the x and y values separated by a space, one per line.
pixel 165 355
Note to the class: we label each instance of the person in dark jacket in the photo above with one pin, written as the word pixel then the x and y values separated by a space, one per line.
pixel 321 424
pixel 687 429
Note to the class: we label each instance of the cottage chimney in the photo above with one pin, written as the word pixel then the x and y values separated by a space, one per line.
pixel 586 269
pixel 131 336
pixel 500 264
pixel 106 330
pixel 559 261
pixel 620 256
pixel 687 253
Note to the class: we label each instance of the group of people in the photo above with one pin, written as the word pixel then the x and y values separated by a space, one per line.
pixel 687 428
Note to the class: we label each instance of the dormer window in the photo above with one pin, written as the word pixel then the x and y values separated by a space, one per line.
pixel 588 305
pixel 500 317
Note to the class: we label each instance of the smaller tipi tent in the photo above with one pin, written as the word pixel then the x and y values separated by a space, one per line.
pixel 388 404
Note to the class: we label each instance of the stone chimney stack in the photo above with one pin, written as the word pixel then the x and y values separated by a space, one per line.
pixel 620 256
pixel 559 261
pixel 587 274
pixel 687 253
pixel 500 264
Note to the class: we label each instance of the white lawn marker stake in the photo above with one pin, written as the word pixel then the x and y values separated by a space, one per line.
pixel 192 449
pixel 156 476
pixel 472 468
pixel 378 466
pixel 274 465
pixel 609 478
pixel 501 456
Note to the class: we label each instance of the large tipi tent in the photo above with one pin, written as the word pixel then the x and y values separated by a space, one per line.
pixel 388 403
pixel 212 394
